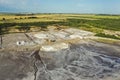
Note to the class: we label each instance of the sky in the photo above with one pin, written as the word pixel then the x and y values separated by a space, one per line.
pixel 61 6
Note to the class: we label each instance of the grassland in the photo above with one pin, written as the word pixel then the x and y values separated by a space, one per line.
pixel 98 24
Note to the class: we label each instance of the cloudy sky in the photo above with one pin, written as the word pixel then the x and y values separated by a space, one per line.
pixel 61 6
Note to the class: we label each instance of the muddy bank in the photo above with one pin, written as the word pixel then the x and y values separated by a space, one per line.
pixel 86 61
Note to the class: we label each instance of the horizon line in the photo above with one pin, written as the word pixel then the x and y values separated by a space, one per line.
pixel 56 13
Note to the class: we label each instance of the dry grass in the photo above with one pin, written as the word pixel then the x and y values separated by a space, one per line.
pixel 52 17
pixel 106 40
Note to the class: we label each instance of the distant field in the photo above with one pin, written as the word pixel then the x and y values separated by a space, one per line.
pixel 89 22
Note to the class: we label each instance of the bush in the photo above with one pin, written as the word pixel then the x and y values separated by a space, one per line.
pixel 3 19
pixel 33 17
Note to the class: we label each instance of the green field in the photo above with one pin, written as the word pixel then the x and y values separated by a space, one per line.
pixel 103 25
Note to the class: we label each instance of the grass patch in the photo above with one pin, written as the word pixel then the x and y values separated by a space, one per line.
pixel 88 22
pixel 108 24
pixel 109 41
pixel 107 36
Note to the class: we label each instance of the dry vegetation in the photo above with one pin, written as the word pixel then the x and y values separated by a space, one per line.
pixel 99 24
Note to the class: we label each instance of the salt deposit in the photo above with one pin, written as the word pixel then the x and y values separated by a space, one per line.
pixel 41 36
pixel 61 35
pixel 55 47
pixel 75 36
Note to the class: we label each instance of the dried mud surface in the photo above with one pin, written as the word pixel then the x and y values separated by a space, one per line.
pixel 86 61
